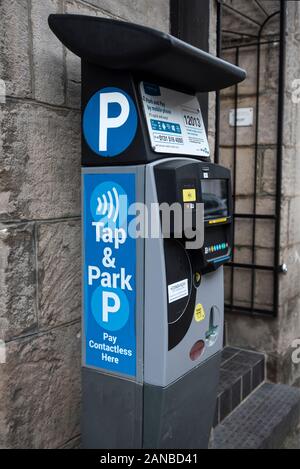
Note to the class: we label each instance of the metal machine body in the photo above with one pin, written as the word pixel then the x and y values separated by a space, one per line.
pixel 152 306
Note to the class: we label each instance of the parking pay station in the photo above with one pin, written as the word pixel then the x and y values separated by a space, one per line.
pixel 152 305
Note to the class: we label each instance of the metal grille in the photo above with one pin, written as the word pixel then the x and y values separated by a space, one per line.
pixel 248 30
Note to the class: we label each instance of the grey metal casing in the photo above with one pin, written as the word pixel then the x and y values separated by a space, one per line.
pixel 163 366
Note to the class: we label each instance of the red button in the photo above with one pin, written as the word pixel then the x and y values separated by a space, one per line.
pixel 197 350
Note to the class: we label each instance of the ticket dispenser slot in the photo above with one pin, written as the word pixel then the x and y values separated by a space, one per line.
pixel 152 316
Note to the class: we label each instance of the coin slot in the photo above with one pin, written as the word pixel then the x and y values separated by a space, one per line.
pixel 212 333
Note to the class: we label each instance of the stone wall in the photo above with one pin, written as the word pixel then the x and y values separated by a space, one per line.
pixel 40 274
pixel 273 336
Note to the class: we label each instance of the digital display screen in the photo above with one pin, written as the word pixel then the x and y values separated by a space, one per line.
pixel 215 198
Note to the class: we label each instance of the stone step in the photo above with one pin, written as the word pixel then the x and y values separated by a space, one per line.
pixel 242 371
pixel 263 421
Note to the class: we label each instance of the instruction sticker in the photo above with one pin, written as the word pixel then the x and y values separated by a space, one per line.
pixel 178 290
pixel 174 121
pixel 199 313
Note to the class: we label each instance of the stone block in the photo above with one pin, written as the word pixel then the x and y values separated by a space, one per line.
pixel 265 205
pixel 212 28
pixel 289 283
pixel 289 320
pixel 244 205
pixel 267 134
pixel 272 67
pixel 40 386
pixel 211 123
pixel 291 171
pixel 246 135
pixel 293 18
pixel 269 66
pixel 245 157
pixel 75 443
pixel 244 168
pixel 40 161
pixel 242 285
pixel 243 232
pixel 242 254
pixel 294 225
pixel 48 57
pixel 245 171
pixel 226 158
pixel 232 21
pixel 292 70
pixel 283 370
pixel 59 268
pixel 284 222
pixel 17 281
pixel 265 233
pixel 264 289
pixel 291 255
pixel 252 333
pixel 14 47
pixel 227 284
pixel 291 129
pixel 73 63
pixel 263 256
pixel 154 14
pixel 268 176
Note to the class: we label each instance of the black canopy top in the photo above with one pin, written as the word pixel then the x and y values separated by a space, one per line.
pixel 120 45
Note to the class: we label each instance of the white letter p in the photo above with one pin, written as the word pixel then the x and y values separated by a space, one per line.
pixel 106 309
pixel 111 122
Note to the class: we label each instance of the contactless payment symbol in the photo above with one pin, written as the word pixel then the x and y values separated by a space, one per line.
pixel 109 204
pixel 110 122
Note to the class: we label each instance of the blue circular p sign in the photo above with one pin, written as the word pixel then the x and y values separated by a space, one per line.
pixel 110 308
pixel 109 122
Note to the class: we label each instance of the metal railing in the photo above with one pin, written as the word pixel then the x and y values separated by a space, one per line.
pixel 255 41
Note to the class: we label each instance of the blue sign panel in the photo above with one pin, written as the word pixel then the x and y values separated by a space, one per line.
pixel 110 121
pixel 109 273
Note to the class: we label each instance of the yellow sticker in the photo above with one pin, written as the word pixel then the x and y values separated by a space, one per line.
pixel 189 195
pixel 217 220
pixel 199 313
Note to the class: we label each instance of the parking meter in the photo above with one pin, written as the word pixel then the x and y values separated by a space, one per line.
pixel 152 302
